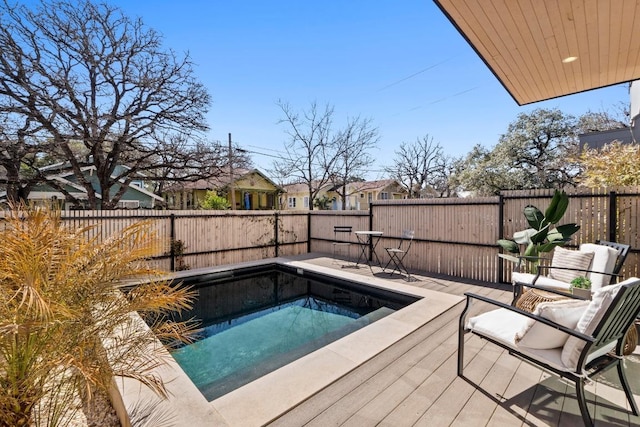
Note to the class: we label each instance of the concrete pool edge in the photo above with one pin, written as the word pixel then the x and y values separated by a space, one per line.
pixel 268 397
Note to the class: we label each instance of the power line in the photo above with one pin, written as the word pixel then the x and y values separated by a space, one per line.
pixel 413 75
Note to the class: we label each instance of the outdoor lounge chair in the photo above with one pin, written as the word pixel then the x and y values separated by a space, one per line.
pixel 572 338
pixel 397 254
pixel 600 262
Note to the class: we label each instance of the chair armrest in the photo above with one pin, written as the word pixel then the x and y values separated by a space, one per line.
pixel 575 269
pixel 537 318
pixel 550 290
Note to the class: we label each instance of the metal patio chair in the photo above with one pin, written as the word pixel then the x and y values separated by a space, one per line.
pixel 603 270
pixel 340 232
pixel 397 254
pixel 572 338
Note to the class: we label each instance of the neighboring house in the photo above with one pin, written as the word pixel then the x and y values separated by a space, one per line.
pixel 296 196
pixel 359 194
pixel 135 197
pixel 251 188
pixel 627 134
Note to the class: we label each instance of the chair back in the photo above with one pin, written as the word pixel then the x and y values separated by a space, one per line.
pixel 623 251
pixel 340 230
pixel 406 240
pixel 619 316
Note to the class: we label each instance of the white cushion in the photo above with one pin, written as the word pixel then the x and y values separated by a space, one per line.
pixel 589 321
pixel 501 324
pixel 569 259
pixel 604 260
pixel 540 336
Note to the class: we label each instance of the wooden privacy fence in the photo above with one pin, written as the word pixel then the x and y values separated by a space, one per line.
pixel 457 237
pixel 453 237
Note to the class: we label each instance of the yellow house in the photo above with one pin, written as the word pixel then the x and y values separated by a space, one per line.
pixel 252 190
pixel 361 194
pixel 296 196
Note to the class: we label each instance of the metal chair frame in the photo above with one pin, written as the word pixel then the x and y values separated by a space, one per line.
pixel 338 232
pixel 397 254
pixel 613 326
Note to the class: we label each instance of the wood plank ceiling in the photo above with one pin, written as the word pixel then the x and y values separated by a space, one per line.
pixel 528 44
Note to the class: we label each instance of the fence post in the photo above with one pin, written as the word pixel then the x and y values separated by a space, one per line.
pixel 172 239
pixel 275 231
pixel 500 236
pixel 309 232
pixel 371 229
pixel 613 216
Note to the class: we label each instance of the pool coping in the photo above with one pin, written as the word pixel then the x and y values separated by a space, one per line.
pixel 272 395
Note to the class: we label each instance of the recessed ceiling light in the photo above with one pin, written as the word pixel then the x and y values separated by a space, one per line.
pixel 569 59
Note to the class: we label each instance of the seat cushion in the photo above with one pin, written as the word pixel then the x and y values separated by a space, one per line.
pixel 540 336
pixel 569 259
pixel 604 260
pixel 589 321
pixel 501 324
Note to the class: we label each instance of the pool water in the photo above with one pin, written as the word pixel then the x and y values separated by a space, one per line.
pixel 256 324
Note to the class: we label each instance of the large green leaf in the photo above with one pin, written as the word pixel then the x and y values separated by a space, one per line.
pixel 524 237
pixel 534 217
pixel 557 207
pixel 531 251
pixel 541 235
pixel 509 246
pixel 568 230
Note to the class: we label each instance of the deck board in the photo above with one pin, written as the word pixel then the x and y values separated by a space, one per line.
pixel 414 382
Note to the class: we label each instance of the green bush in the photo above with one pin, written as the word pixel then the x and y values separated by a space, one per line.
pixel 213 201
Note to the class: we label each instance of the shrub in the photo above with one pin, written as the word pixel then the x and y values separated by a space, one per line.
pixel 65 327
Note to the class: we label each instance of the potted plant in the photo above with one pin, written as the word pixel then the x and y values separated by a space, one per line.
pixel 543 235
pixel 581 287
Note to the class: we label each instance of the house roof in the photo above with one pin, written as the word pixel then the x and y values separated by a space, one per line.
pixel 62 177
pixel 375 185
pixel 217 182
pixel 527 43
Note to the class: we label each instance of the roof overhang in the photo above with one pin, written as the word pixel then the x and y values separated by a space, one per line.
pixel 529 44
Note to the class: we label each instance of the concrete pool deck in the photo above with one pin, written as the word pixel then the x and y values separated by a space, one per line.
pixel 274 394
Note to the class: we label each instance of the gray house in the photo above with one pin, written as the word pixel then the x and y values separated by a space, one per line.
pixel 135 197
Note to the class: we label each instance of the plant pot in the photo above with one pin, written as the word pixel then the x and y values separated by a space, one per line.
pixel 581 293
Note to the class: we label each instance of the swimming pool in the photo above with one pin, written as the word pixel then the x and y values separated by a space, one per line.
pixel 258 319
pixel 263 400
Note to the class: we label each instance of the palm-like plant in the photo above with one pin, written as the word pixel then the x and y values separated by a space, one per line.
pixel 543 234
pixel 65 327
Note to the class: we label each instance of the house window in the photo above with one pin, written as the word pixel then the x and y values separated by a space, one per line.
pixel 384 196
pixel 292 202
pixel 128 204
pixel 369 197
pixel 305 202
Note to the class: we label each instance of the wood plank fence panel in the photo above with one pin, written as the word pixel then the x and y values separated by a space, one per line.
pixel 455 237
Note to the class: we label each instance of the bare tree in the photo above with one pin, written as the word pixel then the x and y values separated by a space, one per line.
pixel 83 72
pixel 311 152
pixel 354 143
pixel 418 165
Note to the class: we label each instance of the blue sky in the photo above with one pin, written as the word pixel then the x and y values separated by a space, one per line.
pixel 402 64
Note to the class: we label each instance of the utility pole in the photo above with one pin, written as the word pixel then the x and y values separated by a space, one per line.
pixel 231 190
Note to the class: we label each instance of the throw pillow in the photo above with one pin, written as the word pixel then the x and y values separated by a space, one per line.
pixel 604 260
pixel 569 259
pixel 589 321
pixel 537 335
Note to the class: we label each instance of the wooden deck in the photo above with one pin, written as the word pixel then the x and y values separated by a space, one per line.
pixel 414 382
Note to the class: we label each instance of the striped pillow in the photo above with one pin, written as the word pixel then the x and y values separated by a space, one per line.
pixel 569 259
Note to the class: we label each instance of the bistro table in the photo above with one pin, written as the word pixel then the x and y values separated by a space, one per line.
pixel 368 239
